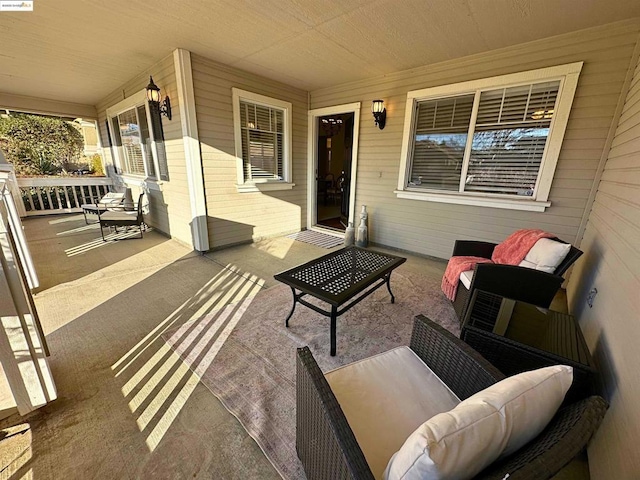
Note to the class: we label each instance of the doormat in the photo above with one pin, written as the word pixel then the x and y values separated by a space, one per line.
pixel 317 238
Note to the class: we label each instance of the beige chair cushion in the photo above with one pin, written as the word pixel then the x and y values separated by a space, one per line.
pixel 110 199
pixel 494 422
pixel 385 398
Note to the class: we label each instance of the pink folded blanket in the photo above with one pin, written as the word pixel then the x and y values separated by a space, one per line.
pixel 516 246
pixel 510 252
pixel 455 267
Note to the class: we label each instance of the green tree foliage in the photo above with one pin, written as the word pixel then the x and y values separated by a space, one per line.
pixel 38 145
pixel 96 165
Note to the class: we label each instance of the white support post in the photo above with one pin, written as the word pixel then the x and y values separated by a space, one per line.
pixel 7 173
pixel 13 220
pixel 195 177
pixel 22 349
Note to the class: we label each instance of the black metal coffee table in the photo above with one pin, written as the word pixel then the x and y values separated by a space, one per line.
pixel 342 277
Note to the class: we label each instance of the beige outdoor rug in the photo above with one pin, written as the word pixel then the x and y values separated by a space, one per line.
pixel 244 354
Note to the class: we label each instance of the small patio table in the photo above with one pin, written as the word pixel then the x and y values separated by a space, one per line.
pixel 345 276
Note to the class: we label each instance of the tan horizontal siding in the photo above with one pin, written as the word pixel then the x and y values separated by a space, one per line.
pixel 240 217
pixel 170 208
pixel 611 264
pixel 431 228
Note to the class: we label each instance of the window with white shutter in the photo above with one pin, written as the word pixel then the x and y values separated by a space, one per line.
pixel 262 135
pixel 133 132
pixel 263 141
pixel 137 146
pixel 492 142
pixel 441 131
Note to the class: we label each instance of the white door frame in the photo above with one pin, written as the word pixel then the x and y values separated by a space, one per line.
pixel 312 163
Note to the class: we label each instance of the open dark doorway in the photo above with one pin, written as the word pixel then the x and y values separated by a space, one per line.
pixel 335 152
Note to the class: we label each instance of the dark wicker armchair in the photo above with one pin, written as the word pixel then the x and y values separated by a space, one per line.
pixel 125 216
pixel 328 448
pixel 530 286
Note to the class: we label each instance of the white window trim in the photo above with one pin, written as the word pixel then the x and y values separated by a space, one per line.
pixel 568 77
pixel 263 184
pixel 132 102
pixel 139 181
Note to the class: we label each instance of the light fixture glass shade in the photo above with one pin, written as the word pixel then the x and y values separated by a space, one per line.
pixel 377 106
pixel 153 91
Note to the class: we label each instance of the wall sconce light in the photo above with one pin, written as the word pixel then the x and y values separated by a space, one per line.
pixel 153 95
pixel 379 113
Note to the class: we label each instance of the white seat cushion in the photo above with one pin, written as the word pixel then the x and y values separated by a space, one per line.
pixel 111 198
pixel 546 255
pixel 119 215
pixel 465 278
pixel 385 398
pixel 494 422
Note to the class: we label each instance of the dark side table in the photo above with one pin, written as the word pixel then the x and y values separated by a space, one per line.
pixel 342 279
pixel 535 338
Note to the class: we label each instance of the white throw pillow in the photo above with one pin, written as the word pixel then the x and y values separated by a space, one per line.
pixel 546 255
pixel 495 422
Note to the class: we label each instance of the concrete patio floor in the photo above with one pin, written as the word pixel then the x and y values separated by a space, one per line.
pixel 127 406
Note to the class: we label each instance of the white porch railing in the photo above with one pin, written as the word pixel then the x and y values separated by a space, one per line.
pixel 48 196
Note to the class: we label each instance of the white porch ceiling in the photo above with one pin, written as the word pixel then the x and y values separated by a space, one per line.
pixel 81 50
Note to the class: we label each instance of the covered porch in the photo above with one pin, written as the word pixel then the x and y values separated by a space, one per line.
pixel 125 397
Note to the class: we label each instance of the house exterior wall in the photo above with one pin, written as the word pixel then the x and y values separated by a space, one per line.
pixel 611 264
pixel 432 228
pixel 235 217
pixel 169 206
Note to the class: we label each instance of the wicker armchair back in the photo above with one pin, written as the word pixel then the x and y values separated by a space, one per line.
pixel 328 448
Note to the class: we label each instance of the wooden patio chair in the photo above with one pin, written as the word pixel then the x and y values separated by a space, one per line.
pixel 122 217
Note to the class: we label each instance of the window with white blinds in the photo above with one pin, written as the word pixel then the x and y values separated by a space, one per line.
pixel 475 139
pixel 441 131
pixel 137 141
pixel 507 140
pixel 262 127
pixel 262 136
pixel 510 136
pixel 132 145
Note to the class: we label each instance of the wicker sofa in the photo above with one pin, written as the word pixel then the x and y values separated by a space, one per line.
pixel 328 449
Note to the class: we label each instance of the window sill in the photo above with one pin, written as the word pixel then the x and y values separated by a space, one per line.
pixel 141 181
pixel 264 187
pixel 506 203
